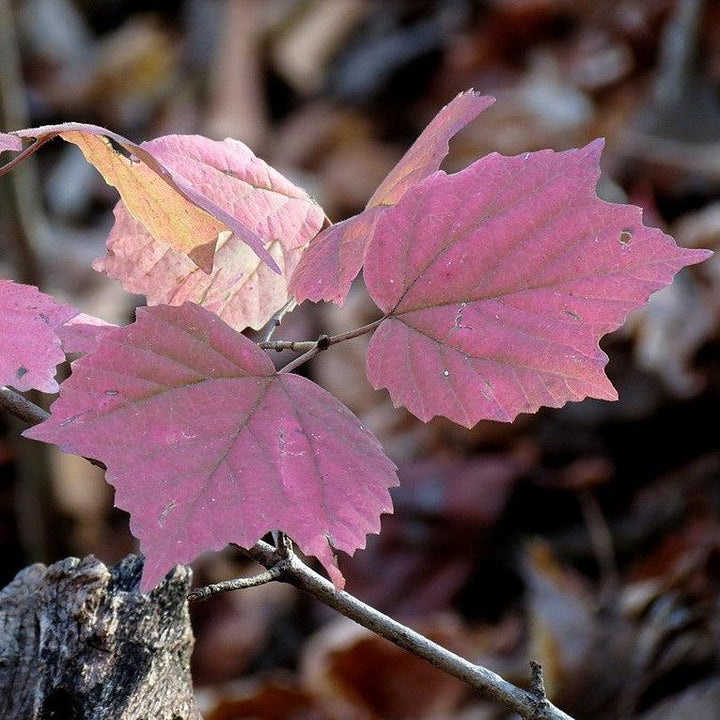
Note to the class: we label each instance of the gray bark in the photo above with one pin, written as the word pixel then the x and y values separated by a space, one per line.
pixel 80 642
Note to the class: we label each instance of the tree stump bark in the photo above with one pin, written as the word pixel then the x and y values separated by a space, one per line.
pixel 80 642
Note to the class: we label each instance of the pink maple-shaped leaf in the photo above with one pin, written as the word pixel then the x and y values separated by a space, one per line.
pixel 206 444
pixel 30 347
pixel 336 256
pixel 497 283
pixel 242 289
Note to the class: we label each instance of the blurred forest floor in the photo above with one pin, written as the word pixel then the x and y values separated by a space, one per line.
pixel 586 538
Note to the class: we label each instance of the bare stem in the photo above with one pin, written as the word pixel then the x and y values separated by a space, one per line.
pixel 530 704
pixel 205 593
pixel 298 361
pixel 357 332
pixel 24 153
pixel 276 320
pixel 300 346
pixel 311 349
pixel 21 407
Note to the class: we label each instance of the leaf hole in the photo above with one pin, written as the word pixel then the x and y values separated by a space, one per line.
pixel 572 314
pixel 625 238
pixel 22 370
pixel 111 393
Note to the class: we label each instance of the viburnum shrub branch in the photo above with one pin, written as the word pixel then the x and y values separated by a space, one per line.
pixel 494 286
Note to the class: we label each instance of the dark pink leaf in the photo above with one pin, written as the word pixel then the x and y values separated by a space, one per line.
pixel 499 281
pixel 427 153
pixel 336 256
pixel 29 344
pixel 168 206
pixel 207 445
pixel 241 289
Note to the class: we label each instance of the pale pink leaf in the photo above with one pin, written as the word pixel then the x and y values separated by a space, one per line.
pixel 241 289
pixel 10 142
pixel 29 344
pixel 499 281
pixel 207 445
pixel 336 256
pixel 80 334
pixel 168 206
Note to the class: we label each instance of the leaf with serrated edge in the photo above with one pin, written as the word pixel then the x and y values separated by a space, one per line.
pixel 499 281
pixel 29 343
pixel 169 207
pixel 241 289
pixel 336 256
pixel 207 445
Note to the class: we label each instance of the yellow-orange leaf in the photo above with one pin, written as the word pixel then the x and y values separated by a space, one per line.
pixel 164 213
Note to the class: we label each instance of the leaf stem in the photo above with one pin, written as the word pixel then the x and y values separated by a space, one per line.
pixel 302 359
pixel 34 146
pixel 293 345
pixel 357 332
pixel 312 348
pixel 21 407
pixel 273 573
pixel 275 321
pixel 529 704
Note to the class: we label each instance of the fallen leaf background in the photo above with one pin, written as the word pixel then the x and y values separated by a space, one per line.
pixel 586 538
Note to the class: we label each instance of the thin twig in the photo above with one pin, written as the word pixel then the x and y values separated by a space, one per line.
pixel 276 320
pixel 323 343
pixel 299 346
pixel 298 361
pixel 34 146
pixel 273 573
pixel 357 332
pixel 29 412
pixel 21 407
pixel 530 704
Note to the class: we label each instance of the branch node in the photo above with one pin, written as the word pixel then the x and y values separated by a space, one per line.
pixel 273 573
pixel 538 697
pixel 323 343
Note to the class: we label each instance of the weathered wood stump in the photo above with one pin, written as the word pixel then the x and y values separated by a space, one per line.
pixel 80 642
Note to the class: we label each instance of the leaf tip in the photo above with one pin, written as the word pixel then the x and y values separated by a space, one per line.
pixel 594 149
pixel 203 256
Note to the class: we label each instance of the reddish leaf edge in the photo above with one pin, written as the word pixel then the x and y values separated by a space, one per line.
pixel 203 255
